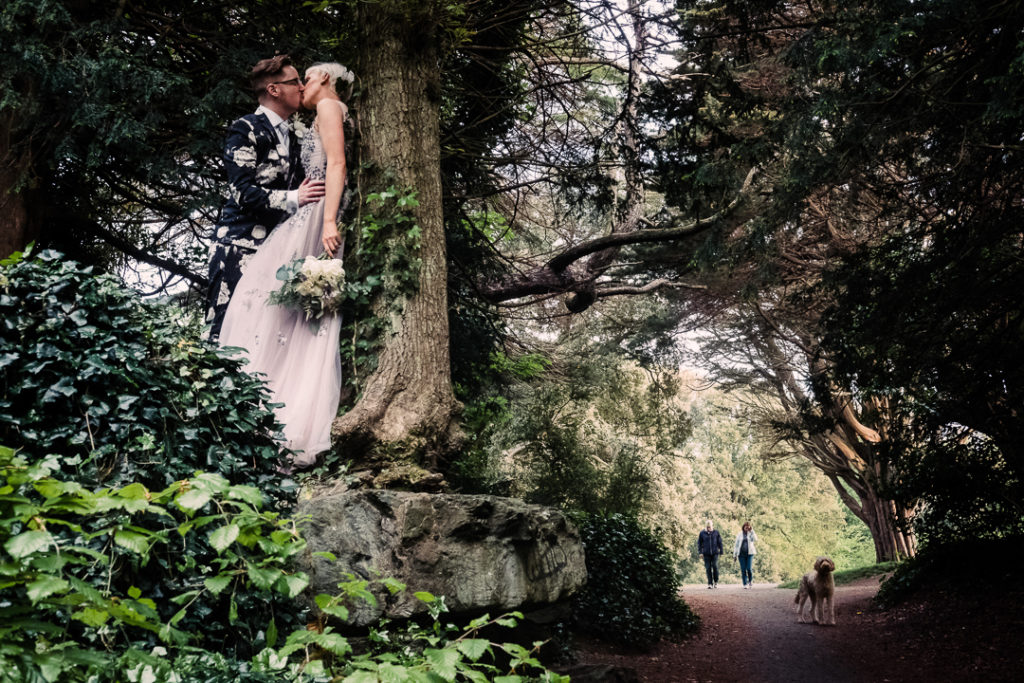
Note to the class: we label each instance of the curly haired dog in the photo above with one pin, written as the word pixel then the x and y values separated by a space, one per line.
pixel 819 586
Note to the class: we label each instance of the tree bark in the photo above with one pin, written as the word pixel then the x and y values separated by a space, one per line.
pixel 848 450
pixel 408 408
pixel 16 230
pixel 887 524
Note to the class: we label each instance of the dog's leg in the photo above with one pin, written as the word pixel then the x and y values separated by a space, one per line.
pixel 832 609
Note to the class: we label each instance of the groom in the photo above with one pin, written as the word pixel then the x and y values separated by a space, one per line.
pixel 266 182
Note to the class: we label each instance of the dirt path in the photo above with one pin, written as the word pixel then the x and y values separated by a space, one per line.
pixel 753 635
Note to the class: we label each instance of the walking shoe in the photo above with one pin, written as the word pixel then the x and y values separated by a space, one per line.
pixel 710 586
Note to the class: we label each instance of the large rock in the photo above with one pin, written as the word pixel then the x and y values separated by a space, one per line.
pixel 482 553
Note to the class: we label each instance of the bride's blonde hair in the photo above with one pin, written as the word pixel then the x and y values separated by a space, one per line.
pixel 335 72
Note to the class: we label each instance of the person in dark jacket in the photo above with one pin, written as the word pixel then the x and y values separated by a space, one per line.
pixel 709 544
pixel 266 183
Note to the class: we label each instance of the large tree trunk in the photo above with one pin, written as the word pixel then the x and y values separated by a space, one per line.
pixel 407 408
pixel 16 230
pixel 847 449
pixel 888 524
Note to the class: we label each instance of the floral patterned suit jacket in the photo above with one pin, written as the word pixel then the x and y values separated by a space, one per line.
pixel 260 174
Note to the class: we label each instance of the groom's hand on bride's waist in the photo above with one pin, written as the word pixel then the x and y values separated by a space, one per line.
pixel 310 191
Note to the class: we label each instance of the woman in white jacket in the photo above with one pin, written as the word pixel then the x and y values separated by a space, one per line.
pixel 744 551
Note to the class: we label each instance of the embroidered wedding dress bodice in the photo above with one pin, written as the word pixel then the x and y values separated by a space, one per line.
pixel 300 363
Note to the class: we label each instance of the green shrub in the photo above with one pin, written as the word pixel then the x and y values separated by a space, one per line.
pixel 57 622
pixel 954 566
pixel 632 592
pixel 123 389
pixel 56 626
pixel 124 392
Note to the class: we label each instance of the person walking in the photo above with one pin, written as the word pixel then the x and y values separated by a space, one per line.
pixel 709 545
pixel 743 551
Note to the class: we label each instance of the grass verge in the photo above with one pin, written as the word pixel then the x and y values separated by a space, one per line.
pixel 850 575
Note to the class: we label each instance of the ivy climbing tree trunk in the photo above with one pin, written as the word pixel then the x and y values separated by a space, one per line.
pixel 407 409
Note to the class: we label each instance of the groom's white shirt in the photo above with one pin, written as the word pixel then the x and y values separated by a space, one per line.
pixel 275 122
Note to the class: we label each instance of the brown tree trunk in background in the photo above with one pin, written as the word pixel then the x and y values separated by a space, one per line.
pixel 407 409
pixel 16 230
pixel 847 451
pixel 888 525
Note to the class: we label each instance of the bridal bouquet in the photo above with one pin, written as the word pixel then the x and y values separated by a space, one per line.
pixel 313 285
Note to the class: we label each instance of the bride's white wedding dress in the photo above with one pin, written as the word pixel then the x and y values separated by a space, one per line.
pixel 302 365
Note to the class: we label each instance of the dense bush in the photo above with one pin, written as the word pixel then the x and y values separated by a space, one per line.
pixel 56 626
pixel 120 391
pixel 972 565
pixel 632 592
pixel 57 536
pixel 122 388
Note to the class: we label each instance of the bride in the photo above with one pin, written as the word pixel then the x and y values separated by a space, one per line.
pixel 301 364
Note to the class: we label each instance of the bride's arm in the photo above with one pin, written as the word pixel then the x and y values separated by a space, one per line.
pixel 332 135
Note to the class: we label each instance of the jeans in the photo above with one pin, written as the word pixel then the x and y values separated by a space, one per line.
pixel 746 568
pixel 711 567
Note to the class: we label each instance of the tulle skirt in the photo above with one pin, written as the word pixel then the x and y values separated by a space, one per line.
pixel 300 362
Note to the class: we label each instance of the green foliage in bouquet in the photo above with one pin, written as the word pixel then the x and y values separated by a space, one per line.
pixel 315 286
pixel 632 591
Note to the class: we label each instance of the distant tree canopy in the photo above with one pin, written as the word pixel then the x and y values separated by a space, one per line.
pixel 887 136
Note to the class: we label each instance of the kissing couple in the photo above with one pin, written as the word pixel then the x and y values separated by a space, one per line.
pixel 286 191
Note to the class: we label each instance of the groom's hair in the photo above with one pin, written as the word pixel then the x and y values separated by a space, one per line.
pixel 266 70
